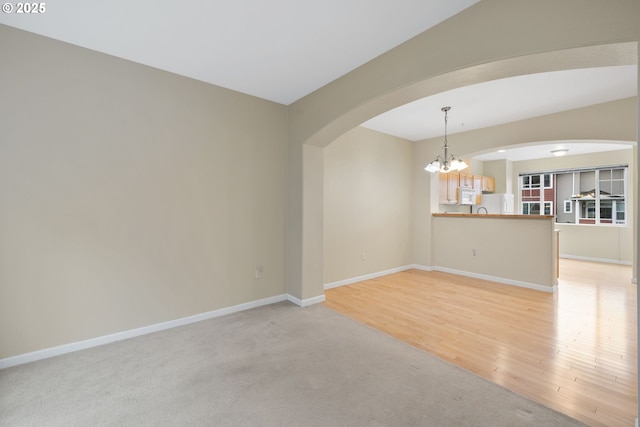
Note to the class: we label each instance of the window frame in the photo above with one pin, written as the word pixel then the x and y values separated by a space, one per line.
pixel 584 204
pixel 568 206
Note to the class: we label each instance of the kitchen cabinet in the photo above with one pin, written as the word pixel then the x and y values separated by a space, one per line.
pixel 488 184
pixel 478 187
pixel 448 188
pixel 449 183
pixel 466 180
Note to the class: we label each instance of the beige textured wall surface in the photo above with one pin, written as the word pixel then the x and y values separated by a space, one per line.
pixel 78 99
pixel 520 250
pixel 312 267
pixel 368 194
pixel 130 196
pixel 610 244
pixel 501 171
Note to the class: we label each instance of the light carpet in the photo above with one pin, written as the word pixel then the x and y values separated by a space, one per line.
pixel 278 365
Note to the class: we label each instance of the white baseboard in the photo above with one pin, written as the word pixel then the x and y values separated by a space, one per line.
pixel 535 286
pixel 305 302
pixel 368 276
pixel 605 260
pixel 444 270
pixel 421 267
pixel 119 336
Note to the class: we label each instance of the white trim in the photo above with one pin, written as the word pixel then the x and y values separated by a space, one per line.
pixel 605 260
pixel 372 276
pixel 421 267
pixel 443 269
pixel 306 302
pixel 535 286
pixel 119 336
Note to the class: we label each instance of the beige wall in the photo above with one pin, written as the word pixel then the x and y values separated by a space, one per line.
pixel 78 97
pixel 501 171
pixel 606 243
pixel 312 265
pixel 130 196
pixel 518 251
pixel 368 196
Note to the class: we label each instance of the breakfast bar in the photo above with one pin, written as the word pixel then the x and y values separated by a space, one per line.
pixel 520 250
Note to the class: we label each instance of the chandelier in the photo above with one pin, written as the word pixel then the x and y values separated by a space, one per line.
pixel 446 162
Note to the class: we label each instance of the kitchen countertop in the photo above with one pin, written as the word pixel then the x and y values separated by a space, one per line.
pixel 507 216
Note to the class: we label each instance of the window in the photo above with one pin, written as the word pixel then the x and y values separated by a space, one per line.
pixel 537 208
pixel 536 192
pixel 568 206
pixel 620 210
pixel 601 195
pixel 611 181
pixel 594 196
pixel 531 208
pixel 534 181
pixel 612 212
pixel 588 210
pixel 606 210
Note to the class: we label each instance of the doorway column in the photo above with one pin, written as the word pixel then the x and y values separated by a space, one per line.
pixel 305 224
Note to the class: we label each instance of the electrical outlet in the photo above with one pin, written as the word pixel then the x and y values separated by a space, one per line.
pixel 364 256
pixel 258 272
pixel 473 253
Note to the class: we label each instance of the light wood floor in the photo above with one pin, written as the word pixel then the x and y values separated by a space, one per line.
pixel 574 351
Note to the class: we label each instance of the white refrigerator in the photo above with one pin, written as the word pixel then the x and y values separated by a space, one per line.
pixel 496 204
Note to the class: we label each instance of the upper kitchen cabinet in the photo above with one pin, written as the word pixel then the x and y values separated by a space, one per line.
pixel 488 184
pixel 448 188
pixel 466 180
pixel 450 183
pixel 478 187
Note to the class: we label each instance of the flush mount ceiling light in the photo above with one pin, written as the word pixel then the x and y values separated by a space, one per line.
pixel 559 152
pixel 446 162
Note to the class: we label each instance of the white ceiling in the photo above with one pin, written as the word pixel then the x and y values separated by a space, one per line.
pixel 507 100
pixel 543 150
pixel 282 50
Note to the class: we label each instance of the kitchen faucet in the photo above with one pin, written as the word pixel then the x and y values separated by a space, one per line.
pixel 482 207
